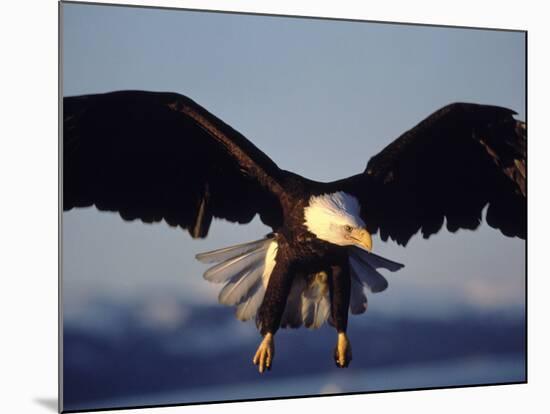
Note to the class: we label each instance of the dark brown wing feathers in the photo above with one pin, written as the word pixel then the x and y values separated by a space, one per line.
pixel 154 156
pixel 448 168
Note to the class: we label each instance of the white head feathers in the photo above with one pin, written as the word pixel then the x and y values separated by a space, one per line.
pixel 327 214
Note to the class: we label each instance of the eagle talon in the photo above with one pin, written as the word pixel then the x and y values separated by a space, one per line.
pixel 265 353
pixel 342 351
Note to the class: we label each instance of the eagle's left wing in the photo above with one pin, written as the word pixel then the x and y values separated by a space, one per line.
pixel 448 167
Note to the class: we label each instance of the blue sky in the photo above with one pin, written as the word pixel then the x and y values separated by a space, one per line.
pixel 319 97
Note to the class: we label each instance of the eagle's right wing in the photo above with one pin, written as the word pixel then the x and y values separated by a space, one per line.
pixel 154 156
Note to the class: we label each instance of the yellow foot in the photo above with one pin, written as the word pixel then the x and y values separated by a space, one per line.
pixel 265 353
pixel 342 352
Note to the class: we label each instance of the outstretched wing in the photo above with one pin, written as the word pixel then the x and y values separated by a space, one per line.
pixel 447 168
pixel 154 156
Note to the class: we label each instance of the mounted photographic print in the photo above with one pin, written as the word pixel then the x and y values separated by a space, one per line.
pixel 260 206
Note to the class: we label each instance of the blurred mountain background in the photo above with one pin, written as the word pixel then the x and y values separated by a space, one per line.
pixel 162 351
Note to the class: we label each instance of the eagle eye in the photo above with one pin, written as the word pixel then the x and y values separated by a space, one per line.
pixel 348 228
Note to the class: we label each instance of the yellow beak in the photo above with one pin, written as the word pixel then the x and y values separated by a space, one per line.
pixel 363 239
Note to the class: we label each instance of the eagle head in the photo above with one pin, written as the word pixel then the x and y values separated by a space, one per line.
pixel 335 218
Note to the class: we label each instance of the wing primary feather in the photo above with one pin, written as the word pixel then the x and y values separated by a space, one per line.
pixel 449 166
pixel 158 156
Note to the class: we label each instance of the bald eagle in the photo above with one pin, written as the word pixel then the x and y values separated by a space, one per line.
pixel 160 156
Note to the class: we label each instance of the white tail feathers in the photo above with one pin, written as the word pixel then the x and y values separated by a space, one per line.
pixel 364 264
pixel 221 255
pixel 246 268
pixel 235 266
pixel 248 308
pixel 292 315
pixel 373 280
pixel 378 262
pixel 315 301
pixel 308 303
pixel 240 284
pixel 358 300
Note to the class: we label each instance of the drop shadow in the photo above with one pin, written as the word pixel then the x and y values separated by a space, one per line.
pixel 49 403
